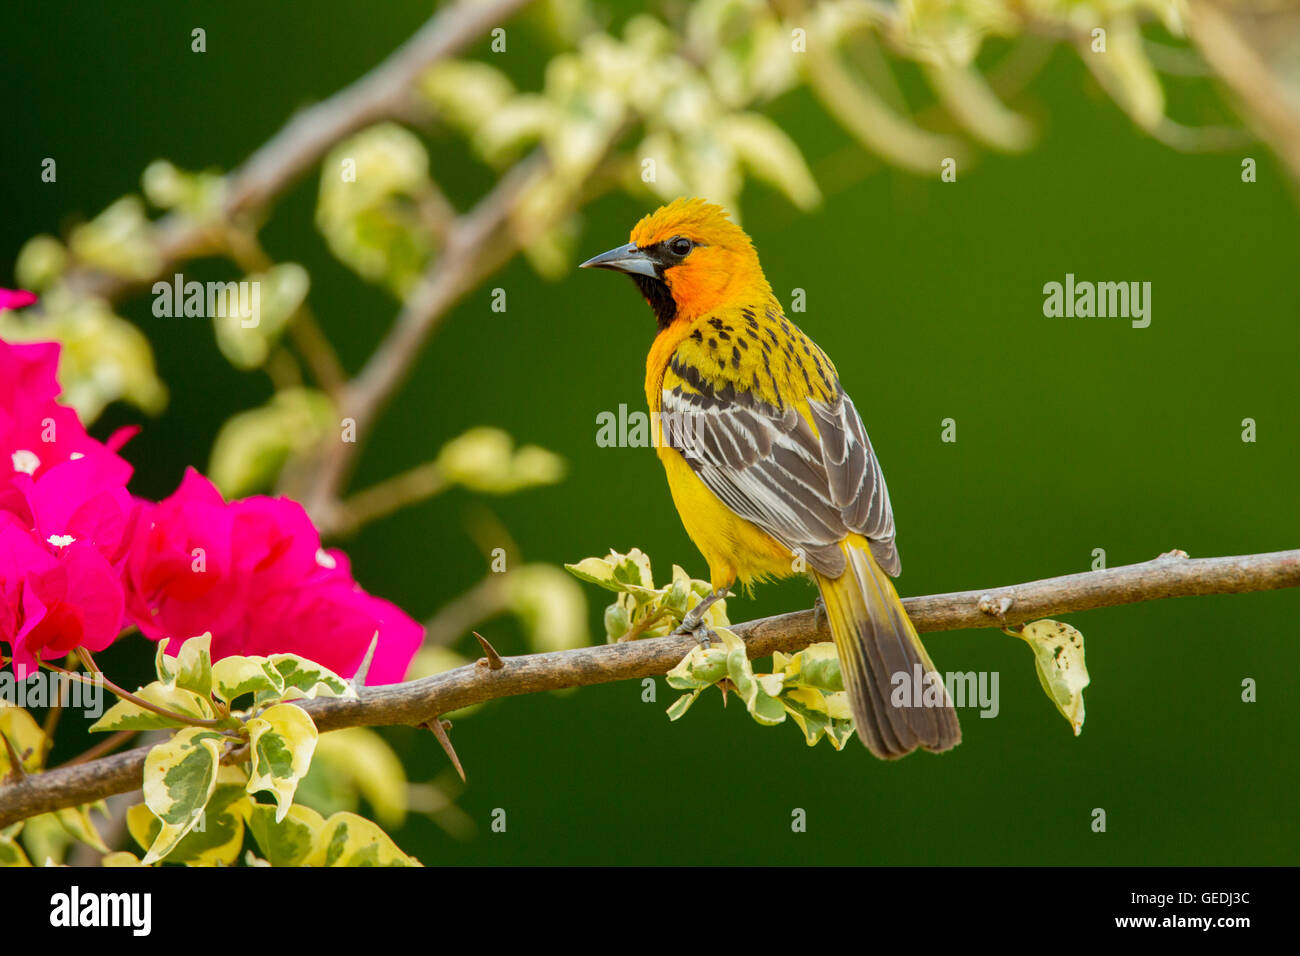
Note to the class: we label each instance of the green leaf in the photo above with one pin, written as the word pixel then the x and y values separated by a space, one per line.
pixel 282 741
pixel 758 692
pixel 235 676
pixel 366 762
pixel 287 841
pixel 162 664
pixel 199 195
pixel 770 154
pixel 216 838
pixel 118 241
pixel 245 336
pixel 125 715
pixel 194 665
pixel 253 445
pixel 11 854
pixel 180 776
pixel 550 604
pixel 371 205
pixel 700 668
pixel 466 92
pixel 24 735
pixel 615 571
pixel 350 840
pixel 308 678
pixel 1059 661
pixel 484 459
pixel 77 821
pixel 617 622
pixel 808 708
pixel 817 665
pixel 682 704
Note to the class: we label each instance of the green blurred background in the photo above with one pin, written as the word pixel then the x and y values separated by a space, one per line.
pixel 1073 434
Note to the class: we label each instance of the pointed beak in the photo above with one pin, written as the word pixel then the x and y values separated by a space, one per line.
pixel 624 259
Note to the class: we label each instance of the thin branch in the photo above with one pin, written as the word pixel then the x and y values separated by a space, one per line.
pixel 105 746
pixel 392 494
pixel 1228 39
pixel 477 245
pixel 418 702
pixel 383 93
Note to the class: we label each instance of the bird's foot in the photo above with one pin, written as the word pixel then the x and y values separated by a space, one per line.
pixel 702 633
pixel 693 623
pixel 819 611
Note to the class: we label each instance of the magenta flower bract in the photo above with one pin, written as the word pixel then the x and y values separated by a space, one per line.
pixel 65 518
pixel 15 299
pixel 253 573
pixel 79 556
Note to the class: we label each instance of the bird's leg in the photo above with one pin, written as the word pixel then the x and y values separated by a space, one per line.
pixel 819 611
pixel 693 622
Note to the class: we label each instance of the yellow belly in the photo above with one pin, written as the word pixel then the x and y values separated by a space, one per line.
pixel 734 548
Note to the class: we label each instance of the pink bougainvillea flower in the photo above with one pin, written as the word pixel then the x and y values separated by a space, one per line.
pixel 253 573
pixel 35 431
pixel 55 596
pixel 15 299
pixel 65 517
pixel 331 620
pixel 79 555
pixel 84 498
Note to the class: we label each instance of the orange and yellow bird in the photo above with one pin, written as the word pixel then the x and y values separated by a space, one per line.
pixel 769 465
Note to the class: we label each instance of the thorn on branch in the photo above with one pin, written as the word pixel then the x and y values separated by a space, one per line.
pixel 359 678
pixel 493 660
pixel 16 771
pixel 440 728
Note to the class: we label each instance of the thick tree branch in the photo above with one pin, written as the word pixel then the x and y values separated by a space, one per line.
pixel 418 702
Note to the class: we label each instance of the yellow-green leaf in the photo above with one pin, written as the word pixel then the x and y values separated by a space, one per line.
pixel 551 606
pixel 366 761
pixel 125 715
pixel 350 840
pixel 235 676
pixel 308 678
pixel 484 459
pixel 218 836
pixel 755 692
pixel 770 154
pixel 682 704
pixel 252 446
pixel 287 841
pixel 282 741
pixel 1059 661
pixel 24 735
pixel 194 665
pixel 180 776
pixel 11 854
pixel 700 668
pixel 77 821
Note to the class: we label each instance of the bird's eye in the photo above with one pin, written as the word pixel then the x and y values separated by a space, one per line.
pixel 680 245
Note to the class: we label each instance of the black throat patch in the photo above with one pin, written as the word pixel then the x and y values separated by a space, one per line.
pixel 660 297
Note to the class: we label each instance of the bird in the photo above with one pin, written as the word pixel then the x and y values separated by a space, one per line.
pixel 770 467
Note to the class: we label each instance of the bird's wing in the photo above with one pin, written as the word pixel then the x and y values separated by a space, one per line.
pixel 807 487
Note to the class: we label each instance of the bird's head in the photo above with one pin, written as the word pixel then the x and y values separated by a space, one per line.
pixel 688 258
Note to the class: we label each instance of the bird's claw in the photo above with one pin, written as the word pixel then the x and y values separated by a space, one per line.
pixel 696 629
